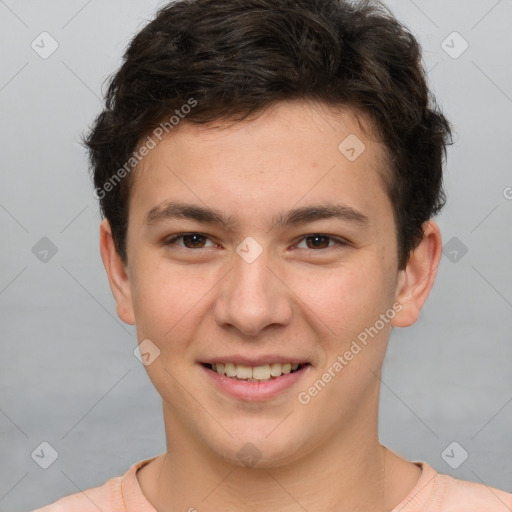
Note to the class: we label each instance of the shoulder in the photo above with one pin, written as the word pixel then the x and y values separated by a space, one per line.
pixel 105 497
pixel 461 495
pixel 437 492
pixel 118 493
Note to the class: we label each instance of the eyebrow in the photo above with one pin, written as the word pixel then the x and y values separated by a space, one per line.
pixel 297 216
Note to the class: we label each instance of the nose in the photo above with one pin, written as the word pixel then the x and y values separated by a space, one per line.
pixel 252 297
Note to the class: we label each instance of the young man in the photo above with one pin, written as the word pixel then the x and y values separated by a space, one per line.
pixel 268 171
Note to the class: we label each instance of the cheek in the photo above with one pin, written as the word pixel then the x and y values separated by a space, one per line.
pixel 346 306
pixel 345 299
pixel 165 297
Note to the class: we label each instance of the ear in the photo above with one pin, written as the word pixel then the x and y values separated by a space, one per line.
pixel 117 274
pixel 417 279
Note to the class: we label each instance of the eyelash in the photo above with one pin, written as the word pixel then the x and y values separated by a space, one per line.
pixel 338 241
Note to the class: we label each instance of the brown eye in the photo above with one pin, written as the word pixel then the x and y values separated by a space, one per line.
pixel 317 241
pixel 190 241
pixel 194 240
pixel 320 241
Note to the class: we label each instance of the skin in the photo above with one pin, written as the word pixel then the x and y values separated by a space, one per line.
pixel 294 299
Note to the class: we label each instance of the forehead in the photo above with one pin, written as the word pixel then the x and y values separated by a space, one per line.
pixel 289 155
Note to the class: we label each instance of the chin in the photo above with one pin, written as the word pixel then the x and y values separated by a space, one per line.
pixel 251 449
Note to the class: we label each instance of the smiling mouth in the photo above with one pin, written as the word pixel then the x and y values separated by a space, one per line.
pixel 262 373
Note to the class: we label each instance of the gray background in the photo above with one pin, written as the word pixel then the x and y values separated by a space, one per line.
pixel 68 373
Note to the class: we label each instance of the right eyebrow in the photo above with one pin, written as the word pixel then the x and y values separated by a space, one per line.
pixel 174 210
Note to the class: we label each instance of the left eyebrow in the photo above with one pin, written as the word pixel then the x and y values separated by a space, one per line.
pixel 297 216
pixel 313 213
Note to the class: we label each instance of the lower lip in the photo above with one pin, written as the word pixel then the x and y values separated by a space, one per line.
pixel 254 391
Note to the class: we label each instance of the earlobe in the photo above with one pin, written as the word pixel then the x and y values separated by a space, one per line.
pixel 417 279
pixel 117 276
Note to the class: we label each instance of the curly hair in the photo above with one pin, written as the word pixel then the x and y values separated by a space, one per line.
pixel 231 59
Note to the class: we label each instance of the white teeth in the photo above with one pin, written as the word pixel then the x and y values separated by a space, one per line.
pixel 261 372
pixel 230 369
pixel 275 369
pixel 243 372
pixel 257 373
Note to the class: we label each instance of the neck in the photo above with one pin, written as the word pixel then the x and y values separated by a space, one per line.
pixel 351 471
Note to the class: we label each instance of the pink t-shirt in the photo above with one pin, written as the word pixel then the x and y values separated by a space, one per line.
pixel 434 492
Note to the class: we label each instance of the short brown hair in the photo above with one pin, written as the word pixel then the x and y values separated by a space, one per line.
pixel 234 58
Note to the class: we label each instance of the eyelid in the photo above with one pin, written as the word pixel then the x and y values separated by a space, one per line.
pixel 170 240
pixel 338 241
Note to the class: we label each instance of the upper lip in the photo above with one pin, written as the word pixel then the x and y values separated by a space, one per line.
pixel 255 361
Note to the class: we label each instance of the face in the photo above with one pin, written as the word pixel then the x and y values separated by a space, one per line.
pixel 257 244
